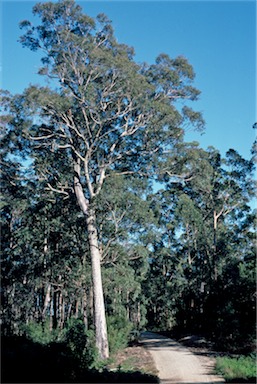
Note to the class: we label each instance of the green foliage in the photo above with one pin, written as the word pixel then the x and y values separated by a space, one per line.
pixel 127 365
pixel 24 361
pixel 231 310
pixel 202 270
pixel 81 343
pixel 237 368
pixel 40 332
pixel 78 341
pixel 119 330
pixel 103 110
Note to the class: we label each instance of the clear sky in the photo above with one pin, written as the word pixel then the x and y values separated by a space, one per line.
pixel 217 37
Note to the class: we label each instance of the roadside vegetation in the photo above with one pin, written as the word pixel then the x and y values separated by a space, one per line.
pixel 71 356
pixel 241 369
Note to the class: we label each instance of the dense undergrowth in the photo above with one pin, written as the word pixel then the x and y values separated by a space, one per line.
pixel 241 369
pixel 68 356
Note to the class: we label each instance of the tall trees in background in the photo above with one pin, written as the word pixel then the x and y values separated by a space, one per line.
pixel 207 243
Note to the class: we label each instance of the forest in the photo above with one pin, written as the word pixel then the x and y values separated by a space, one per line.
pixel 111 222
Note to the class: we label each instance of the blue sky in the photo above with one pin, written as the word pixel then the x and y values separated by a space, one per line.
pixel 217 37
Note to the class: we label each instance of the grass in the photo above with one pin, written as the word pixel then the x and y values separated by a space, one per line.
pixel 237 369
pixel 133 358
pixel 128 365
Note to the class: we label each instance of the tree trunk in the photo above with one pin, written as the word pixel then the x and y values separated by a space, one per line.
pixel 55 309
pixel 215 221
pixel 51 315
pixel 76 309
pixel 46 301
pixel 138 313
pixel 91 304
pixel 99 310
pixel 61 310
pixel 84 307
pixel 69 311
pixel 127 304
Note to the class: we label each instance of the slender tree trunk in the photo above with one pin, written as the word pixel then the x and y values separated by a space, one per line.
pixel 61 311
pixel 46 301
pixel 189 258
pixel 127 303
pixel 76 309
pixel 99 310
pixel 55 310
pixel 138 313
pixel 84 307
pixel 51 315
pixel 69 311
pixel 91 304
pixel 215 220
pixel 36 305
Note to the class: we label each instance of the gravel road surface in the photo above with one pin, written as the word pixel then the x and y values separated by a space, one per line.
pixel 176 364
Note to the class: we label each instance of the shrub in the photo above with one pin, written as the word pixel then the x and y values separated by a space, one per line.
pixel 119 329
pixel 242 367
pixel 39 332
pixel 78 341
pixel 81 343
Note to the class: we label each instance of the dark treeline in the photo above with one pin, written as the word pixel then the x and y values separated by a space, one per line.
pixel 98 181
pixel 202 273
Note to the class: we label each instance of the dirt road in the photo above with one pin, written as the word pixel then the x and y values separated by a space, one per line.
pixel 176 364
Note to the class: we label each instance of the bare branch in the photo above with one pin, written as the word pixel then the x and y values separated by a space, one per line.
pixel 231 209
pixel 82 201
pixel 41 137
pixel 185 176
pixel 87 174
pixel 60 190
pixel 101 180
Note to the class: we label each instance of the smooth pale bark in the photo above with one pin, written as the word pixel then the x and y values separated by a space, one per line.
pixel 99 309
pixel 47 300
pixel 69 311
pixel 61 310
pixel 138 313
pixel 76 315
pixel 55 306
pixel 84 310
pixel 215 223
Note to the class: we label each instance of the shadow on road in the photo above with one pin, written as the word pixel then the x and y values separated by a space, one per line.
pixel 186 382
pixel 155 341
pixel 234 381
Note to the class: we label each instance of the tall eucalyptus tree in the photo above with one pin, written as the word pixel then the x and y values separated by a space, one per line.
pixel 101 113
